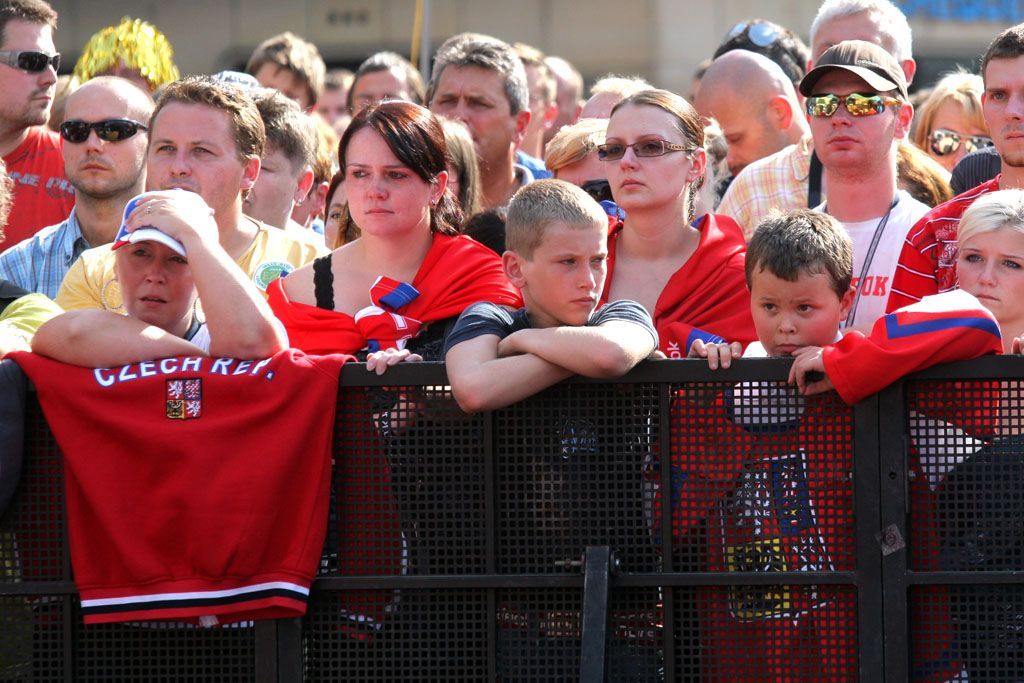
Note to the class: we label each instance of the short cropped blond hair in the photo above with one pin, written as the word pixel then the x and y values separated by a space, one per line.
pixel 540 204
pixel 573 143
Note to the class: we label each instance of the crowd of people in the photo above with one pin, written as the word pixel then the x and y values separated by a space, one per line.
pixel 801 202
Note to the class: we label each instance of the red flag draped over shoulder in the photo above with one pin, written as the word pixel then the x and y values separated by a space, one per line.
pixel 707 297
pixel 456 273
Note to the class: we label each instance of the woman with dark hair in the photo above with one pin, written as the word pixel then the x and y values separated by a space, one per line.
pixel 687 273
pixel 389 291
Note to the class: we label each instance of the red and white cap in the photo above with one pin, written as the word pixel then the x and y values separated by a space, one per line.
pixel 144 234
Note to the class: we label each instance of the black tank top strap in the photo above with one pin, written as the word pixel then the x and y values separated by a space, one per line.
pixel 323 282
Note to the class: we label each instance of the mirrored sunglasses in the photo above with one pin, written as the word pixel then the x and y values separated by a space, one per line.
pixel 944 141
pixel 759 33
pixel 29 60
pixel 645 148
pixel 855 103
pixel 108 130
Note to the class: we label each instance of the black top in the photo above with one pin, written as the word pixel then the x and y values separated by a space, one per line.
pixel 323 282
pixel 974 169
pixel 487 318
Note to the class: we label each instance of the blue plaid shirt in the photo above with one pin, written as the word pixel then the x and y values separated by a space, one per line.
pixel 40 263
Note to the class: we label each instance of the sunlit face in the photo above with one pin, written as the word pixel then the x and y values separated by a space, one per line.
pixel 853 143
pixel 26 96
pixel 562 282
pixel 287 83
pixel 376 86
pixel 95 167
pixel 274 193
pixel 990 266
pixel 192 147
pixel 646 183
pixel 745 125
pixel 951 116
pixel 386 198
pixel 791 315
pixel 1003 105
pixel 156 285
pixel 332 105
pixel 476 96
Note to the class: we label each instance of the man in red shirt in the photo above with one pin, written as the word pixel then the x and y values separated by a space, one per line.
pixel 32 152
pixel 927 263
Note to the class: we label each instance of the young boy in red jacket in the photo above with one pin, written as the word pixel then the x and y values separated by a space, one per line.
pixel 762 476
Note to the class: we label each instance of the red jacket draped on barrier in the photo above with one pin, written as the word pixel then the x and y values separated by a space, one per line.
pixel 197 488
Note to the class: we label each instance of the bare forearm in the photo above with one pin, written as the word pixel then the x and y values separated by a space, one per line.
pixel 605 351
pixel 503 381
pixel 238 317
pixel 98 339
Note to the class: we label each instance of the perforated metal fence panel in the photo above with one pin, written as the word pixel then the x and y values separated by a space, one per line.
pixel 964 471
pixel 674 525
pixel 762 482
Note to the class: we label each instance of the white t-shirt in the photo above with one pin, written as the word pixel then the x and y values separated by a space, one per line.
pixel 202 338
pixel 874 288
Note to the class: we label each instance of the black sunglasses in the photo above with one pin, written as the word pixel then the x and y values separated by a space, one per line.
pixel 108 130
pixel 29 60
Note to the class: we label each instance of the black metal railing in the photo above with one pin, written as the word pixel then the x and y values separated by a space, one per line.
pixel 675 524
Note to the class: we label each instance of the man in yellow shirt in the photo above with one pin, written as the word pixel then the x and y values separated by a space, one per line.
pixel 207 138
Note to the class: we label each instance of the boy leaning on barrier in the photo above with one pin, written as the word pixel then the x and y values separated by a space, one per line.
pixel 556 237
pixel 582 461
pixel 763 477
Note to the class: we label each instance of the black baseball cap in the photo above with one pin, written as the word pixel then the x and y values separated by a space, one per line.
pixel 878 68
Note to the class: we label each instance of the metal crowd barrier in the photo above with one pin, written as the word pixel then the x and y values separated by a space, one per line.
pixel 673 525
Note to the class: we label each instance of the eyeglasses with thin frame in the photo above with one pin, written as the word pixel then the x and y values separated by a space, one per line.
pixel 857 104
pixel 944 141
pixel 108 130
pixel 642 149
pixel 31 61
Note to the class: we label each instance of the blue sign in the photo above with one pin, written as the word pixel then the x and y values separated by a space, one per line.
pixel 1005 11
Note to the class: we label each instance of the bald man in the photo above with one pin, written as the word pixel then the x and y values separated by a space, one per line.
pixel 104 146
pixel 754 103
